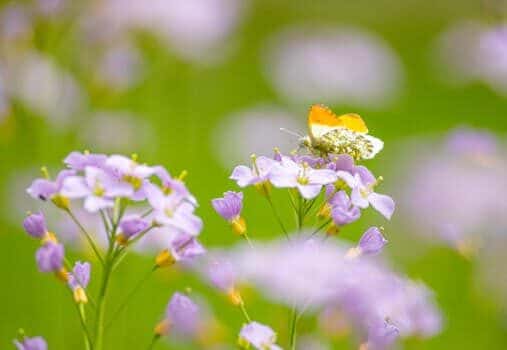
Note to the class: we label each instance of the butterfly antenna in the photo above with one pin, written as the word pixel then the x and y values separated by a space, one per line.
pixel 290 132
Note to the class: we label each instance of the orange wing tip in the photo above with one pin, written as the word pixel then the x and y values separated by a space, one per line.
pixel 322 115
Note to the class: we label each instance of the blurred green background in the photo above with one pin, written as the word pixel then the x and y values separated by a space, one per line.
pixel 183 102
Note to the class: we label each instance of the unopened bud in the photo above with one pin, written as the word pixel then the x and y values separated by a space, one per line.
pixel 162 328
pixel 80 295
pixel 164 258
pixel 122 240
pixel 62 274
pixel 234 297
pixel 238 226
pixel 61 201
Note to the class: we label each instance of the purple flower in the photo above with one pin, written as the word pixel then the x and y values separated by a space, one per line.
pixel 464 141
pixel 80 275
pixel 129 171
pixel 372 241
pixel 185 247
pixel 183 315
pixel 35 343
pixel 49 257
pixel 98 187
pixel 229 207
pixel 174 211
pixel 221 274
pixel 79 161
pixel 307 180
pixel 35 225
pixel 174 186
pixel 133 224
pixel 44 189
pixel 381 335
pixel 245 176
pixel 258 335
pixel 363 196
pixel 343 211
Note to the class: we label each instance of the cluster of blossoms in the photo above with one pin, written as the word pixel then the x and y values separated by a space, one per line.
pixel 131 200
pixel 312 270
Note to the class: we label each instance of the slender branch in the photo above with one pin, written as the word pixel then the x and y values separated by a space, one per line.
pixel 245 313
pixel 86 333
pixel 89 238
pixel 327 222
pixel 277 216
pixel 154 340
pixel 129 297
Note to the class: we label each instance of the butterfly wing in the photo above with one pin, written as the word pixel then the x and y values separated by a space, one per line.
pixel 321 120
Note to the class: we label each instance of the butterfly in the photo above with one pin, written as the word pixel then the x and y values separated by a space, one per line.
pixel 329 133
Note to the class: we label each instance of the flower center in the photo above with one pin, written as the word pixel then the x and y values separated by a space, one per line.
pixel 303 180
pixel 135 181
pixel 99 190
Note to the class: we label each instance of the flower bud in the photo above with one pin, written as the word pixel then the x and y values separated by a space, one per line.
pixel 164 258
pixel 80 296
pixel 162 328
pixel 234 297
pixel 238 225
pixel 61 202
pixel 35 225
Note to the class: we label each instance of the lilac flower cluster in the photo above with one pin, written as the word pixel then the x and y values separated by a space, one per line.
pixel 130 200
pixel 309 272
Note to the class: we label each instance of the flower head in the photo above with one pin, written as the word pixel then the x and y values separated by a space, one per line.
pixel 245 176
pixel 45 189
pixel 80 275
pixel 229 207
pixel 307 180
pixel 343 211
pixel 363 196
pixel 35 225
pixel 183 315
pixel 35 343
pixel 372 241
pixel 133 224
pixel 259 336
pixel 49 257
pixel 130 172
pixel 186 247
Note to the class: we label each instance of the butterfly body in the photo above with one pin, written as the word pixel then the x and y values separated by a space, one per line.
pixel 344 134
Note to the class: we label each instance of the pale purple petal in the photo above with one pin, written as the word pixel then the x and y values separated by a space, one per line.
pixel 281 176
pixel 78 161
pixel 383 204
pixel 49 257
pixel 243 175
pixel 93 203
pixel 35 343
pixel 230 206
pixel 309 191
pixel 75 187
pixel 35 225
pixel 322 176
pixel 42 189
pixel 183 314
pixel 346 177
pixel 372 241
pixel 131 225
pixel 358 199
pixel 260 336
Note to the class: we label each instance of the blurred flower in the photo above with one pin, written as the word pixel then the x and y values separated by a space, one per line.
pixel 49 257
pixel 51 7
pixel 364 289
pixel 183 315
pixel 236 137
pixel 120 66
pixel 333 65
pixel 35 343
pixel 457 183
pixel 307 180
pixel 45 88
pixel 131 172
pixel 131 132
pixel 35 225
pixel 15 22
pixel 261 337
pixel 197 30
pixel 78 280
pixel 474 51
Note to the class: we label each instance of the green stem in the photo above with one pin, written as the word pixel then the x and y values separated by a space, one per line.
pixel 277 216
pixel 86 334
pixel 129 296
pixel 153 341
pixel 99 330
pixel 245 313
pixel 293 329
pixel 89 238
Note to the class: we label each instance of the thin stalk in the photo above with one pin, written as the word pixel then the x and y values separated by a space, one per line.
pixel 327 222
pixel 154 340
pixel 245 313
pixel 248 240
pixel 277 216
pixel 89 238
pixel 129 296
pixel 84 329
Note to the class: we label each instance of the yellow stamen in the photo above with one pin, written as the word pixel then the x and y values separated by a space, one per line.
pixel 61 201
pixel 62 274
pixel 234 297
pixel 45 173
pixel 182 175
